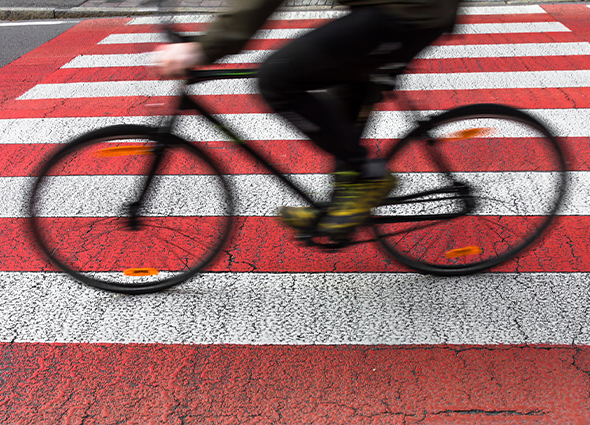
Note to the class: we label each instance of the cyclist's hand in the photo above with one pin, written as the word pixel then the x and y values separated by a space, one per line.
pixel 174 59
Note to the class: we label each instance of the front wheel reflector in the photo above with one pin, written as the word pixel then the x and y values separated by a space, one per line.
pixel 468 134
pixel 463 252
pixel 124 151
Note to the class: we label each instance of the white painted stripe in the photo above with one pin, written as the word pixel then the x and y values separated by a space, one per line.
pixel 511 27
pixel 100 61
pixel 493 28
pixel 103 89
pixel 301 309
pixel 501 10
pixel 495 80
pixel 507 194
pixel 289 34
pixel 505 50
pixel 435 52
pixel 385 124
pixel 203 18
pixel 161 38
pixel 32 24
pixel 333 14
pixel 456 81
pixel 148 37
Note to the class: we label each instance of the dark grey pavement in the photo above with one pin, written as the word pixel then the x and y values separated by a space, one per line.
pixel 41 3
pixel 22 37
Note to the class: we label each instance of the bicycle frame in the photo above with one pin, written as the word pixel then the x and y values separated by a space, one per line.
pixel 456 191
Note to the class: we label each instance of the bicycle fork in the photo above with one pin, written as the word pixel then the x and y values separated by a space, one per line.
pixel 134 208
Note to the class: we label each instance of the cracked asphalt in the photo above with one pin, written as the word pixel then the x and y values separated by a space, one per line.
pixel 274 332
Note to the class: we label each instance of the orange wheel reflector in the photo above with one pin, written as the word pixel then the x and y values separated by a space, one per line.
pixel 124 151
pixel 148 271
pixel 463 252
pixel 468 133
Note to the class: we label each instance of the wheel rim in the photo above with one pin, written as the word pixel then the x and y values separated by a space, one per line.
pixel 80 214
pixel 518 174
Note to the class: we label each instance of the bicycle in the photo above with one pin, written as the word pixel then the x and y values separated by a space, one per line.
pixel 110 228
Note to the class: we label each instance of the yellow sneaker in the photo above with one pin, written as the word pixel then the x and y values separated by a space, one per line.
pixel 299 218
pixel 353 202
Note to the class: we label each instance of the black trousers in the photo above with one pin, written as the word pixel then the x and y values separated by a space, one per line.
pixel 337 57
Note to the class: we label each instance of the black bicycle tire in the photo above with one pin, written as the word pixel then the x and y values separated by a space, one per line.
pixel 470 112
pixel 126 131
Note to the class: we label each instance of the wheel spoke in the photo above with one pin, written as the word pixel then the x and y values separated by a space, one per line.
pixel 517 176
pixel 84 227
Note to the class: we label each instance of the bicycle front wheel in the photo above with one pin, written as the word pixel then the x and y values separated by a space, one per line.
pixel 82 201
pixel 513 169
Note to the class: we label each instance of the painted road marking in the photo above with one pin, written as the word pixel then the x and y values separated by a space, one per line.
pixel 387 124
pixel 503 10
pixel 423 82
pixel 286 34
pixel 263 245
pixel 247 57
pixel 434 52
pixel 294 157
pixel 29 23
pixel 262 195
pixel 265 288
pixel 285 384
pixel 278 16
pixel 304 308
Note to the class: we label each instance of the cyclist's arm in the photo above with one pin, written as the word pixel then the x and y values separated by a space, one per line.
pixel 226 35
pixel 232 29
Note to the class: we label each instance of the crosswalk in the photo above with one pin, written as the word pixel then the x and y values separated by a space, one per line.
pixel 271 326
pixel 116 75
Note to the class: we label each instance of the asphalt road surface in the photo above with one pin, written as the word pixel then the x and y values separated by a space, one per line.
pixel 275 332
pixel 21 37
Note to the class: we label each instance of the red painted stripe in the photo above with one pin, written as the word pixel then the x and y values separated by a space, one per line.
pixel 559 98
pixel 418 66
pixel 231 384
pixel 556 98
pixel 262 244
pixel 19 76
pixel 574 16
pixel 498 64
pixel 302 157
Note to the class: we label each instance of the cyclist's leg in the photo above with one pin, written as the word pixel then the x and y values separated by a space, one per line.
pixel 341 53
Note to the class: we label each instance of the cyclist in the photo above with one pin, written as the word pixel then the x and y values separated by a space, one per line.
pixel 319 82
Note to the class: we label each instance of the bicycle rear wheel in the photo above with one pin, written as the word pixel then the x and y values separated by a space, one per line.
pixel 81 202
pixel 514 169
